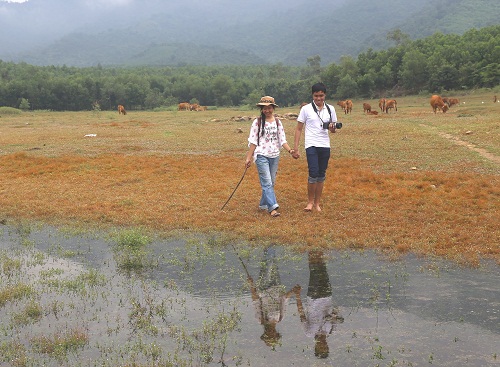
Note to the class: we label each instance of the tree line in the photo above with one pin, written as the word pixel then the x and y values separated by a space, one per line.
pixel 433 64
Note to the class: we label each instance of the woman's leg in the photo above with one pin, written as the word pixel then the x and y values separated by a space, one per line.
pixel 267 168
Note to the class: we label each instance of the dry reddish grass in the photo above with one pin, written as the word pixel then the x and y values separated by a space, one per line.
pixel 395 182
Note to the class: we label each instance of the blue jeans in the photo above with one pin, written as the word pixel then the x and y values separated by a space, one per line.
pixel 317 161
pixel 267 168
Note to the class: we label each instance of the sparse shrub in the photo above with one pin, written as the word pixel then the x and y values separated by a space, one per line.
pixel 9 111
pixel 24 104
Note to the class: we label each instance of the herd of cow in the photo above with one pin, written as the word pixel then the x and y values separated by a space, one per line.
pixel 384 104
pixel 437 102
pixel 186 106
pixel 442 103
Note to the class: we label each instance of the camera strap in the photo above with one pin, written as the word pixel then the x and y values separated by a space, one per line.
pixel 317 113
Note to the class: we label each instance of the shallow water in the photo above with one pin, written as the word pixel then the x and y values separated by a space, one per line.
pixel 188 302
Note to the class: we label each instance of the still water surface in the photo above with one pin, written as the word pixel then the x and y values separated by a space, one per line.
pixel 194 301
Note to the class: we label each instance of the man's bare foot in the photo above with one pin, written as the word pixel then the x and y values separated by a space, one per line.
pixel 308 208
pixel 317 207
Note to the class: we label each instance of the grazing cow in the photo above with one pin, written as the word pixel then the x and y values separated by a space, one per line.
pixel 390 103
pixel 381 104
pixel 437 102
pixel 194 107
pixel 367 108
pixel 452 102
pixel 121 110
pixel 445 100
pixel 348 106
pixel 342 105
pixel 184 106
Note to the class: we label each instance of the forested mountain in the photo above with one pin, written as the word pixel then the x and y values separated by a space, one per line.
pixel 221 32
pixel 428 65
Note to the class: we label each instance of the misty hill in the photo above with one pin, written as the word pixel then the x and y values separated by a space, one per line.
pixel 155 32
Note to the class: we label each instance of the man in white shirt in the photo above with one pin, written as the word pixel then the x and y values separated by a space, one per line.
pixel 319 318
pixel 318 118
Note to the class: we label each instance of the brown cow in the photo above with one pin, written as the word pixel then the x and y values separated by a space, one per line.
pixel 184 106
pixel 367 108
pixel 453 101
pixel 348 106
pixel 381 104
pixel 201 108
pixel 121 110
pixel 437 102
pixel 342 105
pixel 194 107
pixel 390 103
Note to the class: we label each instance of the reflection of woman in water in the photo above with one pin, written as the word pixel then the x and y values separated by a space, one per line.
pixel 320 317
pixel 270 298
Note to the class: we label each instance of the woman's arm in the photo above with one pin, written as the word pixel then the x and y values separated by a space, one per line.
pixel 296 141
pixel 288 149
pixel 249 157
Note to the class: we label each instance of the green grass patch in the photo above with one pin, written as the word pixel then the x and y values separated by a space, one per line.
pixel 14 292
pixel 9 111
pixel 60 344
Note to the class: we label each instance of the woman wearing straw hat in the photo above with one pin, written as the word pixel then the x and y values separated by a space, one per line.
pixel 266 138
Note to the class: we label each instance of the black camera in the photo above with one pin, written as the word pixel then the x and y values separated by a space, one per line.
pixel 338 125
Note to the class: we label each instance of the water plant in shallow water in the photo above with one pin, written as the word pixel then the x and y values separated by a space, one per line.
pixel 14 292
pixel 130 250
pixel 59 344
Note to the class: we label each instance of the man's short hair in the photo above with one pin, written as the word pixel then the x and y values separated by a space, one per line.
pixel 319 87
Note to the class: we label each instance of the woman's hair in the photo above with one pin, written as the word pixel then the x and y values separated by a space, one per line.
pixel 262 122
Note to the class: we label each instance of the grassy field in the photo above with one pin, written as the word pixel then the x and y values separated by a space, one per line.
pixel 407 181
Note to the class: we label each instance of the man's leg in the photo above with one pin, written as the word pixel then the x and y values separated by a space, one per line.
pixel 323 157
pixel 312 181
pixel 311 193
pixel 317 195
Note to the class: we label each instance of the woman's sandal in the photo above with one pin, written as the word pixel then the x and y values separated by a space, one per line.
pixel 275 213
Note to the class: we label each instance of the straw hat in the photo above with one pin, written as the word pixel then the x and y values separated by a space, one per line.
pixel 266 101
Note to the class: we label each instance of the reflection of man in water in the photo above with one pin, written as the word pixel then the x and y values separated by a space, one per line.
pixel 320 318
pixel 270 298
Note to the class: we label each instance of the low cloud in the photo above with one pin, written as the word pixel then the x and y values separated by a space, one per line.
pixel 107 3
